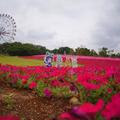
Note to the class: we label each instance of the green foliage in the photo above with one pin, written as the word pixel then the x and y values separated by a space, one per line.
pixel 103 52
pixel 19 83
pixel 40 87
pixel 85 51
pixel 27 49
pixel 82 51
pixel 99 117
pixel 63 91
pixel 63 50
pixel 94 95
pixel 19 49
pixel 103 92
pixel 82 93
pixel 8 101
pixel 55 51
pixel 23 118
pixel 93 53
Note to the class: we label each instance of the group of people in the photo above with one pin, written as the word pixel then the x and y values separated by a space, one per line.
pixel 49 59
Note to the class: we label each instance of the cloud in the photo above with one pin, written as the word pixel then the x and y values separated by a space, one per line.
pixel 73 23
pixel 107 32
pixel 36 37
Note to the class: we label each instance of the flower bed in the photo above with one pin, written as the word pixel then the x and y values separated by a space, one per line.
pixel 96 87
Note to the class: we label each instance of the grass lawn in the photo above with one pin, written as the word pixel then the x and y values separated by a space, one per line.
pixel 19 61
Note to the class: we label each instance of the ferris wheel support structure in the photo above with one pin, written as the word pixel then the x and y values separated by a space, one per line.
pixel 7 28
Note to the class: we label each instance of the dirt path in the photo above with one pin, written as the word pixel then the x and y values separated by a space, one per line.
pixel 27 105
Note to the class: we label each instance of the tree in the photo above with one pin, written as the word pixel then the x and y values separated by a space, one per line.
pixel 103 52
pixel 82 51
pixel 68 50
pixel 93 53
pixel 19 49
pixel 55 51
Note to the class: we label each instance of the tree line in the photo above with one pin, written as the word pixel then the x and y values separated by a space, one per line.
pixel 27 49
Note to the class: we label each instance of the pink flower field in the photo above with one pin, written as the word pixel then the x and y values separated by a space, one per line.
pixel 96 85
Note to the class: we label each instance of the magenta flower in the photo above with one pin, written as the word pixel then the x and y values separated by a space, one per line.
pixel 77 112
pixel 91 108
pixel 47 92
pixel 32 85
pixel 66 116
pixel 109 90
pixel 72 88
pixel 112 109
pixel 24 81
pixel 55 83
pixel 86 111
pixel 9 117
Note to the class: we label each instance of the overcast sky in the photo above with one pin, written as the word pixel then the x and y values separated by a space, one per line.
pixel 73 23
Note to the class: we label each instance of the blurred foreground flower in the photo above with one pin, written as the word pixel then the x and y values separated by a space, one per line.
pixel 86 111
pixel 112 109
pixel 9 117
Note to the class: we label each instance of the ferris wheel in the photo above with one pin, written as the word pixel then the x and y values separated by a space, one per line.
pixel 7 28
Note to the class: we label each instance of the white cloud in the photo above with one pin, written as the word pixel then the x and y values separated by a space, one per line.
pixel 73 23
